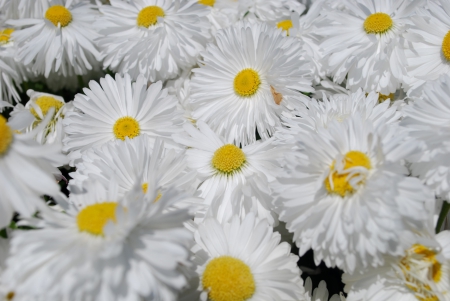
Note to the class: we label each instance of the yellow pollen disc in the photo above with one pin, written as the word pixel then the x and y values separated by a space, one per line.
pixel 246 82
pixel 228 279
pixel 145 187
pixel 228 159
pixel 5 35
pixel 6 135
pixel 285 25
pixel 148 16
pixel 94 217
pixel 59 14
pixel 45 103
pixel 339 181
pixel 207 2
pixel 420 267
pixel 446 46
pixel 126 127
pixel 378 23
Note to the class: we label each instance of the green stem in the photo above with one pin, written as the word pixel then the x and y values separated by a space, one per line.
pixel 444 211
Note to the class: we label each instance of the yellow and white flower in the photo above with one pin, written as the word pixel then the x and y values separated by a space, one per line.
pixel 363 43
pixel 26 118
pixel 429 38
pixel 59 41
pixel 247 80
pixel 233 180
pixel 345 193
pixel 244 260
pixel 12 73
pixel 26 171
pixel 116 109
pixel 422 273
pixel 157 38
pixel 102 247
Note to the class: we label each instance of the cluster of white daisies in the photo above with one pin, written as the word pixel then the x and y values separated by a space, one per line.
pixel 229 130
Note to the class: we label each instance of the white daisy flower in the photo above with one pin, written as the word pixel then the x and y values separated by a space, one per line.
pixel 12 73
pixel 427 120
pixel 363 43
pixel 157 38
pixel 103 247
pixel 234 180
pixel 133 160
pixel 117 108
pixel 247 80
pixel 26 171
pixel 244 260
pixel 26 118
pixel 429 36
pixel 422 273
pixel 59 41
pixel 268 10
pixel 347 194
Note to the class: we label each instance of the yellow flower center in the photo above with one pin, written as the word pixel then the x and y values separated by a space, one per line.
pixel 5 35
pixel 446 46
pixel 285 25
pixel 126 127
pixel 378 23
pixel 58 14
pixel 148 16
pixel 227 278
pixel 94 217
pixel 228 159
pixel 420 267
pixel 6 135
pixel 207 2
pixel 246 82
pixel 45 103
pixel 351 169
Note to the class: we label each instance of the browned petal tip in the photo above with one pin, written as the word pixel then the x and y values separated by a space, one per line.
pixel 277 97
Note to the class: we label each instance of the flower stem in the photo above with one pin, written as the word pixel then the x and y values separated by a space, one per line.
pixel 444 211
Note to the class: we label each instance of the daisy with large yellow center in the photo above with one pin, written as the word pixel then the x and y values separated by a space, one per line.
pixel 126 127
pixel 58 14
pixel 247 82
pixel 420 267
pixel 6 136
pixel 352 166
pixel 148 16
pixel 378 23
pixel 227 278
pixel 93 218
pixel 45 103
pixel 228 159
